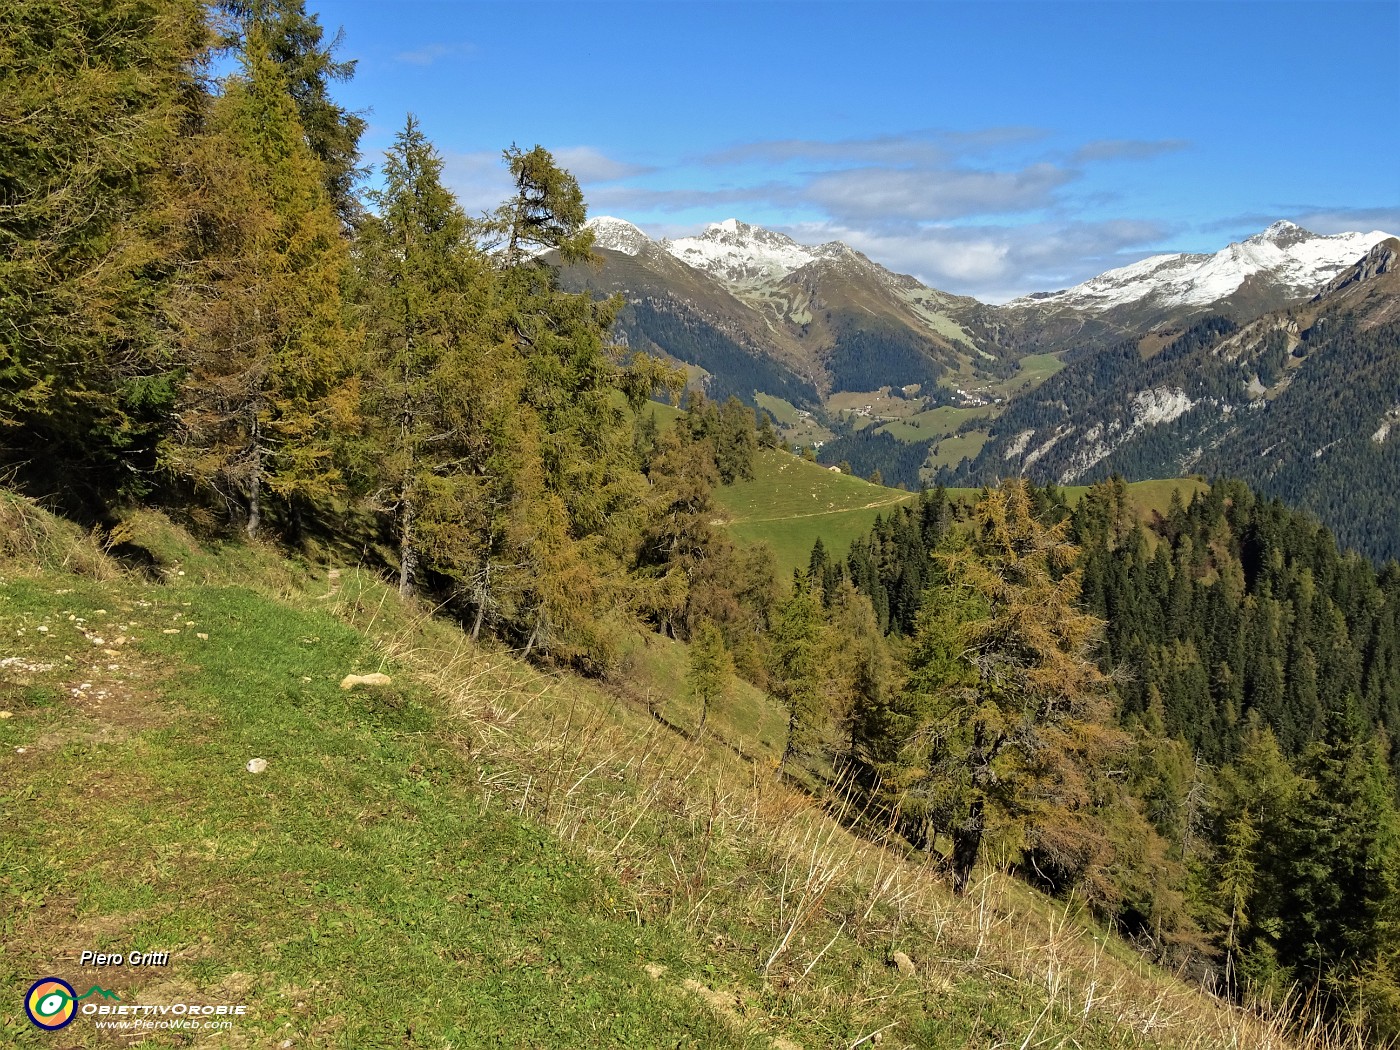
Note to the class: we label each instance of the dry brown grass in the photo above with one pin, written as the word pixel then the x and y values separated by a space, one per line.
pixel 789 900
pixel 32 539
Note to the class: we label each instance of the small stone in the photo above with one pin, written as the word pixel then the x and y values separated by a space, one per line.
pixel 171 630
pixel 903 964
pixel 100 612
pixel 202 636
pixel 6 714
pixel 256 765
pixel 42 629
pixel 352 680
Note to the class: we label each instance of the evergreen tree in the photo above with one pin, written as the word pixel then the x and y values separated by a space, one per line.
pixel 98 97
pixel 309 67
pixel 569 375
pixel 796 676
pixel 268 355
pixel 735 442
pixel 446 431
pixel 1339 865
pixel 1013 715
pixel 711 672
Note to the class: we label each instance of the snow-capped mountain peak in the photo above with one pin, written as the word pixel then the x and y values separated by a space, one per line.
pixel 1282 234
pixel 618 235
pixel 739 253
pixel 1285 255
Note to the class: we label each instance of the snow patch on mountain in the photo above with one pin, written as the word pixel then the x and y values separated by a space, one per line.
pixel 617 235
pixel 742 254
pixel 1284 253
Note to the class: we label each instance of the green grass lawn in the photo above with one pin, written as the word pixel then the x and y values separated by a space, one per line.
pixel 784 412
pixel 1148 497
pixel 1031 371
pixel 746 719
pixel 356 894
pixel 935 422
pixel 952 450
pixel 790 502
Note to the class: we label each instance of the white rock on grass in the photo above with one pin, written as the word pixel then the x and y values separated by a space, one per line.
pixel 256 765
pixel 352 680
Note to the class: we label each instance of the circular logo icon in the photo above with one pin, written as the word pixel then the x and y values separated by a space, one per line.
pixel 51 1003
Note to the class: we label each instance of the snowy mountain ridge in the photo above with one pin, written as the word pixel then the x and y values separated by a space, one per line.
pixel 741 254
pixel 1285 254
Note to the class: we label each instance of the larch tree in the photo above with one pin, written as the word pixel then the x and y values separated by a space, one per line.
pixel 295 43
pixel 595 496
pixel 269 359
pixel 1008 715
pixel 711 673
pixel 796 672
pixel 435 402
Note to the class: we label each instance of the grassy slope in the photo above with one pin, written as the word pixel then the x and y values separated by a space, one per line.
pixel 355 892
pixel 935 422
pixel 791 502
pixel 477 855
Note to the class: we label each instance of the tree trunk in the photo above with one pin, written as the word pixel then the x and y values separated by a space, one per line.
pixel 408 549
pixel 255 487
pixel 967 842
pixel 483 595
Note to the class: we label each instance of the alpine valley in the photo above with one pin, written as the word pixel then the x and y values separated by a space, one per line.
pixel 1275 359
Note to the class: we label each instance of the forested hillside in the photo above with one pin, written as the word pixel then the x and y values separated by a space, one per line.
pixel 1180 729
pixel 1297 403
pixel 1216 775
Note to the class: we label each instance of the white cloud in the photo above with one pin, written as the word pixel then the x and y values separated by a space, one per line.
pixel 591 165
pixel 885 195
pixel 994 213
pixel 1346 220
pixel 479 179
pixel 996 263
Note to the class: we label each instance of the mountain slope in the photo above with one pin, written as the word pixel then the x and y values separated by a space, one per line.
pixel 1301 403
pixel 474 855
pixel 1280 265
pixel 831 316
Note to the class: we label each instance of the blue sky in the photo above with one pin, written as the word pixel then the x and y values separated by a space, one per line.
pixel 990 149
